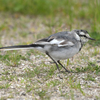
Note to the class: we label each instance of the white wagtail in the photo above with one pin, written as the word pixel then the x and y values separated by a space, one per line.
pixel 58 46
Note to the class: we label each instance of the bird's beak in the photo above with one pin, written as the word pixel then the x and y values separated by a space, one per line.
pixel 89 37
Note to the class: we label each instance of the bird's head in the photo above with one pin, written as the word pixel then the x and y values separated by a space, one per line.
pixel 84 36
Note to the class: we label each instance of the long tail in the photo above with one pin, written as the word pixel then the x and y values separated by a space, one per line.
pixel 18 47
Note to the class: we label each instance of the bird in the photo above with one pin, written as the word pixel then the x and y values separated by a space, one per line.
pixel 59 46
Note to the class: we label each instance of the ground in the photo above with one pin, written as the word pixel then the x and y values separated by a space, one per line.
pixel 31 75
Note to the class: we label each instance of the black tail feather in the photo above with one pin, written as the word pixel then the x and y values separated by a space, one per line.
pixel 22 46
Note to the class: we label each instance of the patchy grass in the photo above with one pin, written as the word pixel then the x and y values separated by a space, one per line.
pixel 31 75
pixel 90 78
pixel 74 85
pixel 90 68
pixel 51 9
pixel 5 86
pixel 96 52
pixel 12 58
pixel 42 94
pixel 53 83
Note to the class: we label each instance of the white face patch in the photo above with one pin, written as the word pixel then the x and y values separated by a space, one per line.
pixel 82 33
pixel 77 37
pixel 87 35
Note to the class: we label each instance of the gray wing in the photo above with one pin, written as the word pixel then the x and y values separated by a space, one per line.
pixel 60 39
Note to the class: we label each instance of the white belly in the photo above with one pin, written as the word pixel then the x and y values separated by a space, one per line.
pixel 64 54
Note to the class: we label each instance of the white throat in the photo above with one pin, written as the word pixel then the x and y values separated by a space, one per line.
pixel 84 39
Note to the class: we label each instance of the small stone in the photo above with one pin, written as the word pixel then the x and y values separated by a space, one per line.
pixel 23 64
pixel 98 61
pixel 23 93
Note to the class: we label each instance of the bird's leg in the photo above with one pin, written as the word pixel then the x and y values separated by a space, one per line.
pixel 63 66
pixel 53 61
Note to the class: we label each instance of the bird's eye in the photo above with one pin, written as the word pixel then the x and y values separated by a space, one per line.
pixel 81 30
